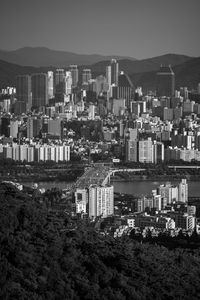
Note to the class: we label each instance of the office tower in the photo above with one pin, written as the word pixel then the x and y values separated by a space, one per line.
pixel 59 85
pixel 108 75
pixel 68 83
pixel 165 81
pixel 145 151
pixel 63 85
pixel 23 91
pixel 74 72
pixel 125 88
pixel 86 76
pixel 50 84
pixel 39 84
pixel 183 191
pixel 114 71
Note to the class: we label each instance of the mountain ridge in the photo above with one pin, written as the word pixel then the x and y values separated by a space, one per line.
pixel 44 57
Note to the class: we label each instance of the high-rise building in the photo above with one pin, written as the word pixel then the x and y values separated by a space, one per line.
pixel 145 151
pixel 39 84
pixel 62 84
pixel 68 83
pixel 108 75
pixel 23 91
pixel 124 89
pixel 50 84
pixel 131 144
pixel 101 201
pixel 114 71
pixel 165 84
pixel 168 192
pixel 86 76
pixel 183 191
pixel 74 72
pixel 158 152
pixel 34 126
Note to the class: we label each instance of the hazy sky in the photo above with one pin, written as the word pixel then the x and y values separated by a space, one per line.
pixel 137 28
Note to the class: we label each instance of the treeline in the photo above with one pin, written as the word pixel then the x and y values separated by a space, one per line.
pixel 45 254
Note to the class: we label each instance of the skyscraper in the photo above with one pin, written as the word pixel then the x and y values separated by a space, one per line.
pixel 50 85
pixel 23 90
pixel 125 88
pixel 74 72
pixel 183 191
pixel 114 71
pixel 86 76
pixel 63 84
pixel 39 84
pixel 108 75
pixel 165 81
pixel 68 83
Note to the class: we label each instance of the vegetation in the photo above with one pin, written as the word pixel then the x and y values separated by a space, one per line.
pixel 47 255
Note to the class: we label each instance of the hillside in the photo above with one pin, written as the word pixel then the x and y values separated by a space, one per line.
pixel 9 71
pixel 141 66
pixel 42 56
pixel 45 255
pixel 187 74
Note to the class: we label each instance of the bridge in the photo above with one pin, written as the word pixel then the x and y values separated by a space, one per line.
pixel 100 175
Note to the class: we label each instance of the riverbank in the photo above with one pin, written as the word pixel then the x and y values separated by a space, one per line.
pixel 155 178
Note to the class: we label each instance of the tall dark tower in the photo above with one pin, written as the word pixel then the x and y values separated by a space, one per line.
pixel 23 89
pixel 165 81
pixel 39 84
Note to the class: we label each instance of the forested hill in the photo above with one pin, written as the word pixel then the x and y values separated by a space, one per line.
pixel 42 257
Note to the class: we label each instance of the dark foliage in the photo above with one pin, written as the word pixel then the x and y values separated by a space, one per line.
pixel 45 255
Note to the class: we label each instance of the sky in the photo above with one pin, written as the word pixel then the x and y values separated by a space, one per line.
pixel 135 28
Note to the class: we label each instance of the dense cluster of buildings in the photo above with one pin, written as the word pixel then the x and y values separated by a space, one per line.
pixel 160 125
pixel 48 116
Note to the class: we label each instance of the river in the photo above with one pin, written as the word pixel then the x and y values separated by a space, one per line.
pixel 127 187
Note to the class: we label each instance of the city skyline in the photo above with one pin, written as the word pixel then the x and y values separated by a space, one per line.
pixel 139 29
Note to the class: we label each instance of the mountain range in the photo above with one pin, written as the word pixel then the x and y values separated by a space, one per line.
pixel 45 57
pixel 142 72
